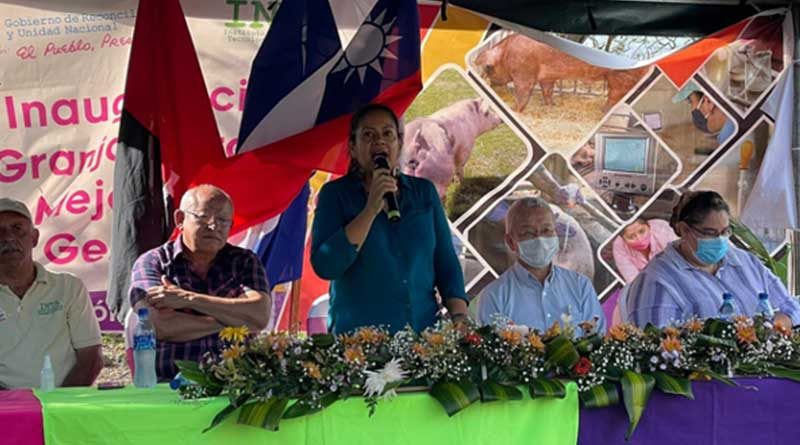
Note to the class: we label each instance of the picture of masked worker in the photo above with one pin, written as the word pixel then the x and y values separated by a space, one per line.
pixel 706 116
pixel 638 244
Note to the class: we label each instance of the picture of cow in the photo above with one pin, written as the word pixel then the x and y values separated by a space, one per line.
pixel 524 62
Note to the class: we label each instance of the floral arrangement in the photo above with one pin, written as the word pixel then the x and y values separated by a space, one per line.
pixel 462 363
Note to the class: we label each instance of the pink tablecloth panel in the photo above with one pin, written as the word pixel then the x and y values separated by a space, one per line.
pixel 20 418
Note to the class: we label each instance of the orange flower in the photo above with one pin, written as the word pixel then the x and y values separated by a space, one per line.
pixel 746 334
pixel 434 338
pixel 511 336
pixel 618 332
pixel 671 344
pixel 741 319
pixel 694 325
pixel 553 331
pixel 370 335
pixel 536 342
pixel 354 355
pixel 783 330
pixel 348 340
pixel 671 332
pixel 420 350
pixel 312 369
pixel 232 352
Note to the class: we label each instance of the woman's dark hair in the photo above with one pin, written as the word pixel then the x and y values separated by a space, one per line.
pixel 355 121
pixel 693 207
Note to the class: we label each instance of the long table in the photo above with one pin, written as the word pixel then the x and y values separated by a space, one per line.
pixel 757 412
pixel 156 416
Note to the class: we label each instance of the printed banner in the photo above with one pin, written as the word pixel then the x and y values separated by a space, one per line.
pixel 62 75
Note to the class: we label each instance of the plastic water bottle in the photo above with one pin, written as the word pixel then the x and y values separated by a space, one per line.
pixel 144 352
pixel 764 308
pixel 726 311
pixel 48 379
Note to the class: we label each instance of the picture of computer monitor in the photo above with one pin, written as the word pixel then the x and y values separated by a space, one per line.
pixel 625 162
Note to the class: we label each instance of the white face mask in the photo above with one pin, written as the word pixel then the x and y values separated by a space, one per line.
pixel 538 252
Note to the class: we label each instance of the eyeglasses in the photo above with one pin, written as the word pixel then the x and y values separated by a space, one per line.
pixel 711 233
pixel 207 220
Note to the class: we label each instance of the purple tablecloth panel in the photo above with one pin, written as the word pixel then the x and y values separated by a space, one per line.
pixel 757 412
pixel 20 418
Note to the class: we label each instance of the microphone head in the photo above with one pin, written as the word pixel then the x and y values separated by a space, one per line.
pixel 380 160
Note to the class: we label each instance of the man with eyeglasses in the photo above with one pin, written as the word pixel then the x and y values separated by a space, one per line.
pixel 198 284
pixel 533 291
pixel 689 277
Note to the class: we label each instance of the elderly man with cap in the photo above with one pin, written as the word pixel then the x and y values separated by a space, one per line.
pixel 533 291
pixel 197 284
pixel 42 313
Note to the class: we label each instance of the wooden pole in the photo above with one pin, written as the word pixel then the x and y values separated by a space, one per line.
pixel 294 307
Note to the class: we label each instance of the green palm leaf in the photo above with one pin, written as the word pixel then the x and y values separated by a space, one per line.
pixel 600 396
pixel 561 352
pixel 785 373
pixel 636 389
pixel 455 396
pixel 670 384
pixel 493 391
pixel 547 388
pixel 266 415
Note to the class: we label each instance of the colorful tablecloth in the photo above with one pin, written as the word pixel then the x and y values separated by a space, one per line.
pixel 20 418
pixel 87 416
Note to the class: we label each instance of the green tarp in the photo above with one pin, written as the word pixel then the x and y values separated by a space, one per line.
pixel 87 416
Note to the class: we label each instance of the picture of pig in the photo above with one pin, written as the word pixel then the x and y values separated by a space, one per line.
pixel 437 147
pixel 524 62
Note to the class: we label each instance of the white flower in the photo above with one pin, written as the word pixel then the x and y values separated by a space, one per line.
pixel 377 380
pixel 566 318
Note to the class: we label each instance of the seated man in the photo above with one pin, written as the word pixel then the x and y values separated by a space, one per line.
pixel 41 312
pixel 198 284
pixel 534 292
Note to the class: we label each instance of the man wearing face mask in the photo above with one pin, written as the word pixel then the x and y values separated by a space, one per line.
pixel 706 116
pixel 689 277
pixel 533 291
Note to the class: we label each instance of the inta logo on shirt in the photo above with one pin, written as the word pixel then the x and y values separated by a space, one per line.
pixel 50 308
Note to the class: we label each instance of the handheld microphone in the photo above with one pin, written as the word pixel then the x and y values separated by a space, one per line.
pixel 393 209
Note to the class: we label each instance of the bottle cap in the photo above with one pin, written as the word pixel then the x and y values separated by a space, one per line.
pixel 727 296
pixel 143 313
pixel 47 363
pixel 763 296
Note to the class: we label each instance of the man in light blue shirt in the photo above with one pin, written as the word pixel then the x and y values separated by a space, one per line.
pixel 533 291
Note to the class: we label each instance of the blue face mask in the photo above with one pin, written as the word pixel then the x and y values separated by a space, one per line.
pixel 700 121
pixel 711 251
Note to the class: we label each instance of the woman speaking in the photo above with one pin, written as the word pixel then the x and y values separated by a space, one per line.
pixel 382 239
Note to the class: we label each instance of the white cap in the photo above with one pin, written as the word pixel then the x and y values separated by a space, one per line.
pixel 12 205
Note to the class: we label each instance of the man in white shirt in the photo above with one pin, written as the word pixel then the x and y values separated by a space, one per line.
pixel 533 291
pixel 41 312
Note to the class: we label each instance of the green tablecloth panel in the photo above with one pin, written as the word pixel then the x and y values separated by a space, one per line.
pixel 156 416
